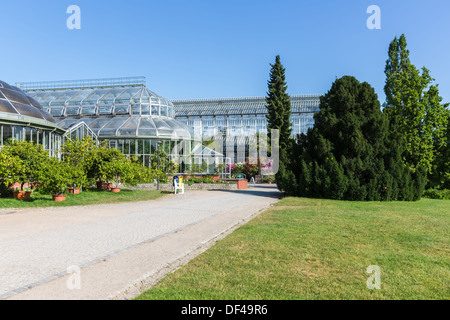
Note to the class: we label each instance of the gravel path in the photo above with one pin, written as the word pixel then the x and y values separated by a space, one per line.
pixel 117 250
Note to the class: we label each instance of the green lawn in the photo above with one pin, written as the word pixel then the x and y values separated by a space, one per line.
pixel 89 197
pixel 320 249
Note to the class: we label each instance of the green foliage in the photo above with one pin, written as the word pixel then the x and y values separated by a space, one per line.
pixel 349 153
pixel 269 178
pixel 279 118
pixel 11 167
pixel 437 194
pixel 55 177
pixel 79 155
pixel 219 169
pixel 31 158
pixel 117 171
pixel 440 176
pixel 165 164
pixel 250 169
pixel 279 103
pixel 238 168
pixel 207 179
pixel 416 111
pixel 83 162
pixel 99 162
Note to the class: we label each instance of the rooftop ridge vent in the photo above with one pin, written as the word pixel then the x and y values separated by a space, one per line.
pixel 83 84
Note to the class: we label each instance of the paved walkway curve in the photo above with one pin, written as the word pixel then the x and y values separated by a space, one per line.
pixel 115 251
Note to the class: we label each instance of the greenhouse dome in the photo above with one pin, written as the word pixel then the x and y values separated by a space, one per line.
pixel 23 118
pixel 122 111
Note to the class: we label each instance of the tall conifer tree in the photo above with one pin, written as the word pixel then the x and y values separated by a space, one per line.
pixel 279 118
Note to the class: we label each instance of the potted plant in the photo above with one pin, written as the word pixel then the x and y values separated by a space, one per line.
pixel 117 172
pixel 269 179
pixel 55 177
pixel 22 165
pixel 24 194
pixel 100 165
pixel 78 178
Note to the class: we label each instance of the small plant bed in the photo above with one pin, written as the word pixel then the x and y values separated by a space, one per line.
pixel 205 180
pixel 87 197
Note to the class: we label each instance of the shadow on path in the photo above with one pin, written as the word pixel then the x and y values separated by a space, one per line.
pixel 266 191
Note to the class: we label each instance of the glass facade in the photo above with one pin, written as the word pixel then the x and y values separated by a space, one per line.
pixel 22 118
pixel 240 119
pixel 133 118
pixel 129 116
pixel 242 116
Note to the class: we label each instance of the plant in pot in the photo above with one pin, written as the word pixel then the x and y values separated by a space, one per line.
pixel 99 164
pixel 117 172
pixel 11 167
pixel 25 170
pixel 78 179
pixel 54 178
pixel 78 154
pixel 269 179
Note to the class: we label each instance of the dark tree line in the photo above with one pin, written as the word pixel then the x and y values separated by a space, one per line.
pixel 359 151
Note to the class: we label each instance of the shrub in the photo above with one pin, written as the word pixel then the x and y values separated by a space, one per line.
pixel 437 194
pixel 54 177
pixel 351 153
pixel 11 167
pixel 32 157
pixel 79 155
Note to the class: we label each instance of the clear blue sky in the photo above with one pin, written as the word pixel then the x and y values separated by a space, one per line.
pixel 206 49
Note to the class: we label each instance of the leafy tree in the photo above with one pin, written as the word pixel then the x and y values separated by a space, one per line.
pixel 279 118
pixel 32 157
pixel 99 159
pixel 54 177
pixel 165 164
pixel 11 167
pixel 348 154
pixel 440 177
pixel 414 108
pixel 118 171
pixel 79 155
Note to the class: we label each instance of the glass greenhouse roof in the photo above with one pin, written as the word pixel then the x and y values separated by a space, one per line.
pixel 133 127
pixel 241 106
pixel 103 102
pixel 111 108
pixel 16 105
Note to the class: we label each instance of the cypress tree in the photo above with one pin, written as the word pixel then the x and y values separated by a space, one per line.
pixel 279 118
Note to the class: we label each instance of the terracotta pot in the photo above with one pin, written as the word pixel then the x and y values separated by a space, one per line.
pixel 115 190
pixel 73 190
pixel 22 195
pixel 104 185
pixel 59 197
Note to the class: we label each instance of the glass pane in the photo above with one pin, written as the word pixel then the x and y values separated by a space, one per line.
pixel 7 133
pixel 122 109
pixel 18 133
pixel 5 106
pixel 16 96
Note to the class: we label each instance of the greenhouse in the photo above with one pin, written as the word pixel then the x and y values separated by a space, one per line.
pixel 22 118
pixel 132 118
pixel 235 122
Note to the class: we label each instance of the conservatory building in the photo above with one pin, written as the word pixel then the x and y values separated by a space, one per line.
pixel 235 122
pixel 123 111
pixel 134 119
pixel 22 118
